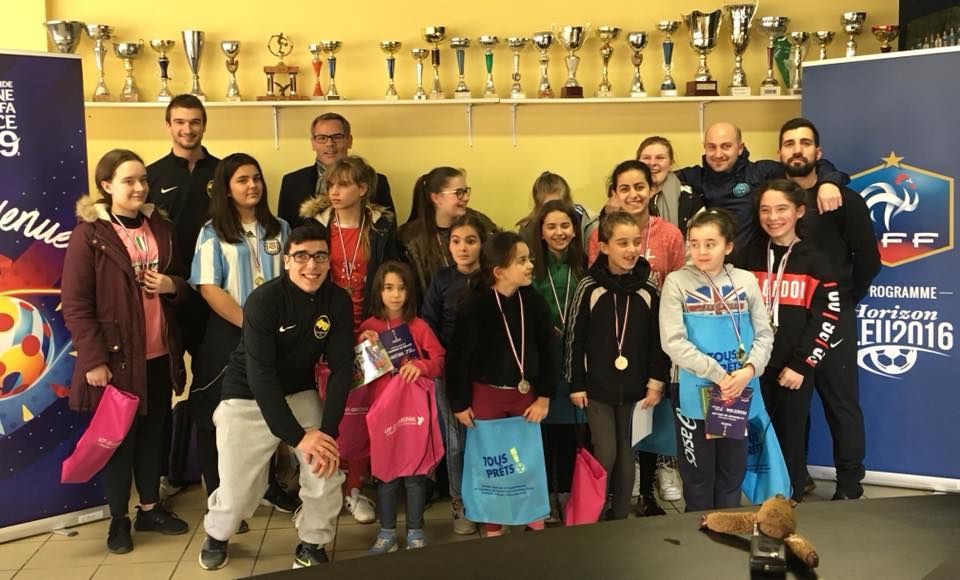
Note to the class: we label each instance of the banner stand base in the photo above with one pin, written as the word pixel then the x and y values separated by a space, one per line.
pixel 905 480
pixel 59 522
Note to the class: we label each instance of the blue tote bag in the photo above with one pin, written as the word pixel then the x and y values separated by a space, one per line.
pixel 504 477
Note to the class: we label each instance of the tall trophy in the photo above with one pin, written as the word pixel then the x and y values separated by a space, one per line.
pixel 637 42
pixel 420 54
pixel 435 35
pixel 65 34
pixel 280 46
pixel 572 38
pixel 543 41
pixel 100 33
pixel 774 27
pixel 886 33
pixel 162 46
pixel 193 46
pixel 798 42
pixel 330 48
pixel 741 17
pixel 606 34
pixel 852 23
pixel 128 52
pixel 704 27
pixel 517 43
pixel 460 44
pixel 317 65
pixel 668 87
pixel 488 42
pixel 391 47
pixel 823 38
pixel 231 48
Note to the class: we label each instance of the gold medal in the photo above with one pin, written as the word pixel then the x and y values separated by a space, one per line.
pixel 741 354
pixel 621 363
pixel 258 281
pixel 524 386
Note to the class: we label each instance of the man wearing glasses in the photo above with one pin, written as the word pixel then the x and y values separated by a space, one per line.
pixel 269 395
pixel 331 140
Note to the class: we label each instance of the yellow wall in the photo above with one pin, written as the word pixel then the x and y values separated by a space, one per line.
pixel 23 25
pixel 582 143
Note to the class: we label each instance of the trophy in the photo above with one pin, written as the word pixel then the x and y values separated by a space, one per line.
pixel 162 46
pixel 741 16
pixel 100 33
pixel 572 38
pixel 231 48
pixel 488 42
pixel 798 41
pixel 460 45
pixel 824 38
pixel 391 47
pixel 852 23
pixel 65 34
pixel 606 34
pixel 886 33
pixel 280 46
pixel 704 27
pixel 543 41
pixel 193 46
pixel 774 27
pixel 420 54
pixel 517 43
pixel 668 88
pixel 330 48
pixel 317 63
pixel 128 52
pixel 435 35
pixel 637 42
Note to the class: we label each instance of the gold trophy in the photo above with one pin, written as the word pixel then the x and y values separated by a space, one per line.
pixel 886 33
pixel 100 33
pixel 231 48
pixel 517 43
pixel 281 46
pixel 774 27
pixel 543 41
pixel 606 34
pixel 128 52
pixel 162 46
pixel 798 42
pixel 488 42
pixel 741 17
pixel 420 54
pixel 572 39
pixel 330 48
pixel 704 27
pixel 435 35
pixel 460 45
pixel 317 64
pixel 391 47
pixel 823 38
pixel 637 42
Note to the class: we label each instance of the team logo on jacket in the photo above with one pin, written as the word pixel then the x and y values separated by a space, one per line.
pixel 271 247
pixel 741 189
pixel 911 209
pixel 321 327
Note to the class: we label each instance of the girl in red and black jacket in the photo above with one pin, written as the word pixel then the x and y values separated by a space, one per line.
pixel 802 297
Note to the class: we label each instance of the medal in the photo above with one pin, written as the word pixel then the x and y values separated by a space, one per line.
pixel 772 297
pixel 258 281
pixel 741 354
pixel 253 246
pixel 523 386
pixel 621 363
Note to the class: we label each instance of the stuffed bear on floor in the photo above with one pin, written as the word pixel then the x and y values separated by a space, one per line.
pixel 775 519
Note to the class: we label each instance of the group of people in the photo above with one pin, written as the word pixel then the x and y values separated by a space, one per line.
pixel 571 321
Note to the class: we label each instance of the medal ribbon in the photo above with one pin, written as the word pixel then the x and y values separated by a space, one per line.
pixel 772 299
pixel 523 332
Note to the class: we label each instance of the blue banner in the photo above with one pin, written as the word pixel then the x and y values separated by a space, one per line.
pixel 42 173
pixel 891 122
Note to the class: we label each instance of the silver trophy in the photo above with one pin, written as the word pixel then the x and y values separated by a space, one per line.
pixel 231 48
pixel 100 33
pixel 435 35
pixel 798 42
pixel 391 47
pixel 128 52
pixel 65 34
pixel 193 47
pixel 420 54
pixel 607 34
pixel 774 27
pixel 517 43
pixel 460 45
pixel 885 34
pixel 488 42
pixel 824 38
pixel 637 42
pixel 704 27
pixel 161 47
pixel 543 41
pixel 330 48
pixel 668 87
pixel 852 23
pixel 572 39
pixel 741 17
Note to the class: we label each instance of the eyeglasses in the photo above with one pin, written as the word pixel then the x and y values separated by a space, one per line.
pixel 460 193
pixel 304 257
pixel 324 139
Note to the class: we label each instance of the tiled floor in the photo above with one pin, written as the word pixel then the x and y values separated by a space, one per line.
pixel 268 547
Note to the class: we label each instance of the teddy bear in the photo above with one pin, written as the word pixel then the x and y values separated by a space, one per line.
pixel 775 519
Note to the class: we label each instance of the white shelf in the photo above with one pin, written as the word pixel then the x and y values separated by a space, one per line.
pixel 647 100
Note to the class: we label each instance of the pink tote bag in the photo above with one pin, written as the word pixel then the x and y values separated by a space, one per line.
pixel 404 430
pixel 107 429
pixel 588 492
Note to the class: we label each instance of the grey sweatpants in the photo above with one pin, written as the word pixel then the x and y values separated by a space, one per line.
pixel 245 446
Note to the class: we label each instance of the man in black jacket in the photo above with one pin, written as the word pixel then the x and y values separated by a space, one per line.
pixel 846 237
pixel 331 140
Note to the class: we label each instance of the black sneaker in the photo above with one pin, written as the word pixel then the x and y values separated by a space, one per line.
pixel 244 527
pixel 309 555
pixel 213 554
pixel 280 499
pixel 647 506
pixel 159 520
pixel 118 538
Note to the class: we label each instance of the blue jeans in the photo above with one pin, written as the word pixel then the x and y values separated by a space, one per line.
pixel 454 435
pixel 416 486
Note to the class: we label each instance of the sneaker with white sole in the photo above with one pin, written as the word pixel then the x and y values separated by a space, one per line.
pixel 386 542
pixel 416 539
pixel 360 507
pixel 461 525
pixel 307 555
pixel 668 479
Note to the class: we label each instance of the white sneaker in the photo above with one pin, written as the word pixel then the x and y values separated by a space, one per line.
pixel 668 478
pixel 360 507
pixel 636 480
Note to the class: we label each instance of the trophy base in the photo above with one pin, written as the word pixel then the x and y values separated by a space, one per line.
pixel 422 97
pixel 233 99
pixel 545 94
pixel 134 98
pixel 437 96
pixel 463 95
pixel 638 94
pixel 333 98
pixel 702 89
pixel 318 98
pixel 518 95
pixel 604 94
pixel 283 98
pixel 490 95
pixel 668 92
pixel 164 99
pixel 392 97
pixel 796 91
pixel 571 92
pixel 769 91
pixel 740 91
pixel 102 98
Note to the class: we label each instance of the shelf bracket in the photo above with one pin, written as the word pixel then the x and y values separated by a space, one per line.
pixel 513 120
pixel 469 111
pixel 276 127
